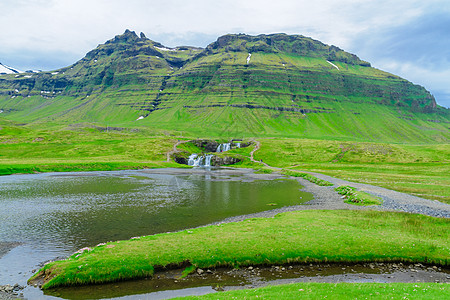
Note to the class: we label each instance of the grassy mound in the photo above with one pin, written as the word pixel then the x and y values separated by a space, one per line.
pixel 352 196
pixel 308 177
pixel 305 236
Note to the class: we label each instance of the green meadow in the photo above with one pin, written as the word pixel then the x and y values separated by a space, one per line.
pixel 421 170
pixel 24 149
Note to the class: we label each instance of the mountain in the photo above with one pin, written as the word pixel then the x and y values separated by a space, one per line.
pixel 8 70
pixel 239 85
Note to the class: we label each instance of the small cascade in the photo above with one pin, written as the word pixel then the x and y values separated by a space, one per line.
pixel 238 145
pixel 196 160
pixel 224 147
pixel 191 159
pixel 208 160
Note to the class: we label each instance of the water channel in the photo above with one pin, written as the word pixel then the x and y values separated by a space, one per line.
pixel 52 215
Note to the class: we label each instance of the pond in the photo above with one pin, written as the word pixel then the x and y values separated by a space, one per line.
pixel 53 215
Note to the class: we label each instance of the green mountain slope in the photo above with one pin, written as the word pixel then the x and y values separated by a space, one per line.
pixel 240 85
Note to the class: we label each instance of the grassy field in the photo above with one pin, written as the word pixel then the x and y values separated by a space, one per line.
pixel 421 170
pixel 305 236
pixel 338 291
pixel 85 147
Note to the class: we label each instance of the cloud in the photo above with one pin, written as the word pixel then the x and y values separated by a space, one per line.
pixel 417 50
pixel 48 34
pixel 73 25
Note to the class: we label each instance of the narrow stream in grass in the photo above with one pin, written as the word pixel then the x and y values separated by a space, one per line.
pixel 45 216
pixel 168 284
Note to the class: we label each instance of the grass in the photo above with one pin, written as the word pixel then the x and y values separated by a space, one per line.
pixel 352 196
pixel 80 167
pixel 305 236
pixel 81 148
pixel 308 177
pixel 338 291
pixel 421 170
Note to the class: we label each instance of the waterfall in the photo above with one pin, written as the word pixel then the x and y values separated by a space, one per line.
pixel 238 145
pixel 196 160
pixel 192 159
pixel 224 147
pixel 208 160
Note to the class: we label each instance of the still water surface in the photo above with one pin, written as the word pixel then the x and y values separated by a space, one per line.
pixel 55 214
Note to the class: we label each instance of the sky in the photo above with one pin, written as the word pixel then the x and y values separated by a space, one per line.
pixel 408 38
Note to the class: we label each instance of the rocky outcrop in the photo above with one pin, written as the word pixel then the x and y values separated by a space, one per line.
pixel 224 160
pixel 180 157
pixel 207 145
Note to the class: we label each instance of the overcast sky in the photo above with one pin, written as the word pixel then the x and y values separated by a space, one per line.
pixel 409 38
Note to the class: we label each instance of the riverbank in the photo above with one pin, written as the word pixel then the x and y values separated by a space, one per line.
pixel 297 237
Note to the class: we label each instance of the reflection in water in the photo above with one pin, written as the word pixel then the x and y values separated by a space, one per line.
pixel 54 215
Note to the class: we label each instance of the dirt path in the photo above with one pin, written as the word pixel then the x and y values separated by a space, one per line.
pixel 174 150
pixel 256 148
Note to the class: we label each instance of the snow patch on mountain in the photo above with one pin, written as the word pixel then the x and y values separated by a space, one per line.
pixel 333 64
pixel 7 70
pixel 165 49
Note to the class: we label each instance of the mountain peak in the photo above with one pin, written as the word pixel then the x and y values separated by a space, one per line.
pixel 281 42
pixel 127 37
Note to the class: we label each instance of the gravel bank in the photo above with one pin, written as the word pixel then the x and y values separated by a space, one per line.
pixel 396 201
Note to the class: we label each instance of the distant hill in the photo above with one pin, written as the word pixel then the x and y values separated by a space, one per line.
pixel 239 85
